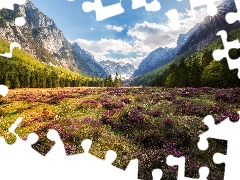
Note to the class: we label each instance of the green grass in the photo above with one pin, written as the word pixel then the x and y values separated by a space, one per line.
pixel 143 141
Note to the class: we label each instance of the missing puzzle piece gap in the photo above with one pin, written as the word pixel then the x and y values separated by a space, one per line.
pixel 3 90
pixel 153 6
pixel 211 8
pixel 219 54
pixel 232 17
pixel 12 46
pixel 180 162
pixel 102 12
pixel 157 174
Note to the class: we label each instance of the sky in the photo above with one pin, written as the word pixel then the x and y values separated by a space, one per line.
pixel 125 38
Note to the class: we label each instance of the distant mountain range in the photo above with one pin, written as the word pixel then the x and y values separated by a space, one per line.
pixel 195 39
pixel 125 71
pixel 42 38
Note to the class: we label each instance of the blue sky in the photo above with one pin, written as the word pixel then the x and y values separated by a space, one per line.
pixel 124 38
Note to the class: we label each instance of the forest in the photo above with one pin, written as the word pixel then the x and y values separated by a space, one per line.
pixel 24 71
pixel 195 70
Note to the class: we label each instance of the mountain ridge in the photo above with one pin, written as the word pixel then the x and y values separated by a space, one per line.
pixel 125 71
pixel 41 37
pixel 195 39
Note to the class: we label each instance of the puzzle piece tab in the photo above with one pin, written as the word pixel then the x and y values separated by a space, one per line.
pixel 3 90
pixel 180 162
pixel 229 131
pixel 224 53
pixel 19 21
pixel 232 17
pixel 153 6
pixel 102 12
pixel 211 8
pixel 174 19
pixel 12 46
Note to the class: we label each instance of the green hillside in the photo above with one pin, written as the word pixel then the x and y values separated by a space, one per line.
pixel 195 69
pixel 24 71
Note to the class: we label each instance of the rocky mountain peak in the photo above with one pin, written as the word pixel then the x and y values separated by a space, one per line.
pixel 42 38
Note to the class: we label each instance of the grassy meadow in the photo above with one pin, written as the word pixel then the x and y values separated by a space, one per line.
pixel 148 123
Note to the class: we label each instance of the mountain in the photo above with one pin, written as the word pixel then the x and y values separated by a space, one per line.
pixel 155 59
pixel 162 56
pixel 125 71
pixel 206 31
pixel 86 62
pixel 42 38
pixel 195 39
pixel 194 65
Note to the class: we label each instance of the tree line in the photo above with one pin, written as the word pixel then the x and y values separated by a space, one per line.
pixel 196 70
pixel 109 82
pixel 24 71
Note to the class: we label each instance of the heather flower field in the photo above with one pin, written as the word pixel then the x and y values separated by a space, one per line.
pixel 147 123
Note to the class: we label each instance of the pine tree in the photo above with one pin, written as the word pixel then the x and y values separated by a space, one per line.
pixel 108 82
pixel 117 81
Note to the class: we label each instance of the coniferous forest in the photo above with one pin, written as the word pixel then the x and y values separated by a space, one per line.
pixel 24 71
pixel 195 70
pixel 160 114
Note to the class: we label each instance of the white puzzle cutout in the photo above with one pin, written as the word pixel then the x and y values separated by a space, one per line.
pixel 229 131
pixel 19 21
pixel 28 164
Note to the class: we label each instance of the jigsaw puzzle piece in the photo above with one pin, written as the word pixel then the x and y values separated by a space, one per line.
pixel 217 131
pixel 153 6
pixel 211 8
pixel 103 12
pixel 14 156
pixel 180 162
pixel 58 149
pixel 232 17
pixel 12 46
pixel 3 90
pixel 173 18
pixel 44 144
pixel 100 167
pixel 130 172
pixel 157 174
pixel 19 21
pixel 219 54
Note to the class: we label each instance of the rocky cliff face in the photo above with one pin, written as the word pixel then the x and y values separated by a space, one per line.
pixel 85 61
pixel 42 38
pixel 125 71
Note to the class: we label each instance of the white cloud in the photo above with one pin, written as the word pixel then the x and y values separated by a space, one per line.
pixel 152 35
pixel 114 28
pixel 101 49
pixel 103 46
pixel 146 37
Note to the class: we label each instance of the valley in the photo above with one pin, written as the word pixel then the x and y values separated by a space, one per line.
pixel 146 112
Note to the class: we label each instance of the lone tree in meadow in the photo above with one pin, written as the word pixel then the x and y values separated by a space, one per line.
pixel 108 82
pixel 117 81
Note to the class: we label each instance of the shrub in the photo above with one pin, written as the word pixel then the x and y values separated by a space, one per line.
pixel 90 103
pixel 228 95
